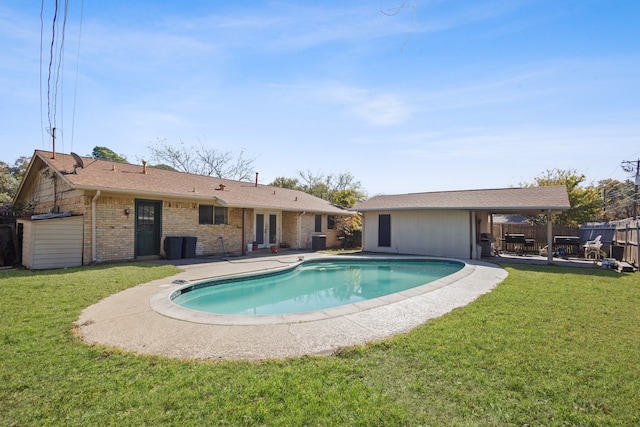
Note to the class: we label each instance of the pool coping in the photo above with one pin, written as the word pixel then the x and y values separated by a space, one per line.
pixel 140 320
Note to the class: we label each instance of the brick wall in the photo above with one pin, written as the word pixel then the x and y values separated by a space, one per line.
pixel 290 229
pixel 308 225
pixel 115 230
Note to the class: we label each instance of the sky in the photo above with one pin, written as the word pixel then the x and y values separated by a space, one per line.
pixel 406 97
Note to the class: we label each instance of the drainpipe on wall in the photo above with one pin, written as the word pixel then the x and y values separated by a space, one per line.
pixel 94 255
pixel 244 231
pixel 549 237
pixel 300 228
pixel 362 236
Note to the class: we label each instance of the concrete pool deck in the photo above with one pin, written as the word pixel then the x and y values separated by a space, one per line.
pixel 141 320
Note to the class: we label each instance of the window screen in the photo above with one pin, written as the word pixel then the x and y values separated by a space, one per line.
pixel 206 214
pixel 210 214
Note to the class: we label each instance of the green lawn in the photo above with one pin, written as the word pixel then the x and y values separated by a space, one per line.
pixel 549 346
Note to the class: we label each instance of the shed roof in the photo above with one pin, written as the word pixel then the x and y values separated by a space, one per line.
pixel 132 179
pixel 525 200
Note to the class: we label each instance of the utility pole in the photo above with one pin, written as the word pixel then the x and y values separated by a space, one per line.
pixel 629 166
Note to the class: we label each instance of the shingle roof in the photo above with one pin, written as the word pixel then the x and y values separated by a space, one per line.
pixel 128 178
pixel 529 199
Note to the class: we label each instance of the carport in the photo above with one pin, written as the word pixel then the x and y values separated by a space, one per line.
pixel 450 223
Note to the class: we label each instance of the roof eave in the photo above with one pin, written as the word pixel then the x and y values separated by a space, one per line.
pixel 156 194
pixel 209 198
pixel 494 209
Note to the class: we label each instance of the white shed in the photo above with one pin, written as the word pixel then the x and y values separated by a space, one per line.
pixel 52 242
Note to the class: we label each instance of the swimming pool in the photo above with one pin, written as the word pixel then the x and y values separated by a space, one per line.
pixel 311 286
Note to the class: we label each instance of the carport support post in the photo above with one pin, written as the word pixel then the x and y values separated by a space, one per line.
pixel 549 237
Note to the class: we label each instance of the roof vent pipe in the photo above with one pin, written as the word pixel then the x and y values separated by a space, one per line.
pixel 144 167
pixel 222 187
pixel 256 179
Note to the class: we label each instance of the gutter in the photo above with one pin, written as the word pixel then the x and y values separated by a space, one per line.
pixel 94 256
pixel 153 194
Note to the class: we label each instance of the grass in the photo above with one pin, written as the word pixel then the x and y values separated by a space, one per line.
pixel 550 346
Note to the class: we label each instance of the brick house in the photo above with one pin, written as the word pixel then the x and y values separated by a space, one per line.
pixel 129 210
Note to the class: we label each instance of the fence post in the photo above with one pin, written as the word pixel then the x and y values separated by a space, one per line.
pixel 626 242
pixel 638 246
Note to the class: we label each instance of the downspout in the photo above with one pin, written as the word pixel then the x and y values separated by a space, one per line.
pixel 300 228
pixel 362 236
pixel 549 237
pixel 94 255
pixel 244 231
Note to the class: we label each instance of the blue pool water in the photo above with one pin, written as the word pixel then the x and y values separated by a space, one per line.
pixel 310 286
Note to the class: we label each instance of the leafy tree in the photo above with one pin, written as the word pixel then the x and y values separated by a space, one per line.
pixel 7 183
pixel 282 182
pixel 164 167
pixel 346 198
pixel 11 177
pixel 104 153
pixel 585 202
pixel 344 190
pixel 350 228
pixel 341 189
pixel 201 160
pixel 314 184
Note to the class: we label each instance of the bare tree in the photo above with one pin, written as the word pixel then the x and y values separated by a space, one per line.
pixel 203 160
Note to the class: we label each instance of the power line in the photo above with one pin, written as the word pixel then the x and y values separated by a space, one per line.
pixel 41 45
pixel 59 85
pixel 629 166
pixel 75 87
pixel 51 56
pixel 55 69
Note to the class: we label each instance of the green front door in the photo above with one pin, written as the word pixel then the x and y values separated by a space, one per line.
pixel 148 226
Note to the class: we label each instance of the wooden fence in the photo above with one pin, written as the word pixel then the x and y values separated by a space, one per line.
pixel 620 239
pixel 10 252
pixel 8 217
pixel 536 232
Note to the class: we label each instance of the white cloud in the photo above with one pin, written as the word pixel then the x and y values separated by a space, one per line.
pixel 378 109
pixel 382 110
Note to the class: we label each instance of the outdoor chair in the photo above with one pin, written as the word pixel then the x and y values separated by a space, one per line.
pixel 544 251
pixel 592 248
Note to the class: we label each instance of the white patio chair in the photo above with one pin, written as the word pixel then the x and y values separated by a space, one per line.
pixel 592 248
